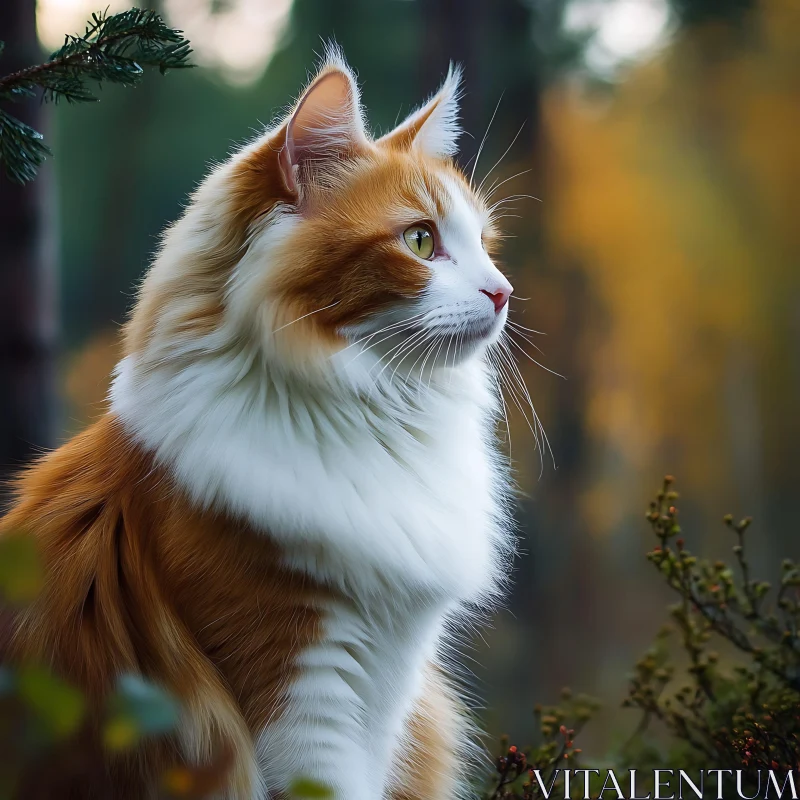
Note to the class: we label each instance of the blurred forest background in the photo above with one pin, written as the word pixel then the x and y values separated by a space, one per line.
pixel 661 137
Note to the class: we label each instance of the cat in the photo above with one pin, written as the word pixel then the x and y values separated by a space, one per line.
pixel 295 498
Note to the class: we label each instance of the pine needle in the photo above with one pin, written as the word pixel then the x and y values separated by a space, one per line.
pixel 115 48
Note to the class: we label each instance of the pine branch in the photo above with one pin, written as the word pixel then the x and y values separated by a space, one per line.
pixel 22 150
pixel 114 49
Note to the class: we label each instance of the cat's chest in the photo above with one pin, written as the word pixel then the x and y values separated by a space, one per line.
pixel 423 514
pixel 362 496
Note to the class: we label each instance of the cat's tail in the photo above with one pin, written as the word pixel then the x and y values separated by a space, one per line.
pixel 103 612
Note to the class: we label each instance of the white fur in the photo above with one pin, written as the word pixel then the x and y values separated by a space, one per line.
pixel 386 485
pixel 354 692
pixel 438 137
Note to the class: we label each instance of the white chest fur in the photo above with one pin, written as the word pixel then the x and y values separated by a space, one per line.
pixel 368 495
pixel 353 694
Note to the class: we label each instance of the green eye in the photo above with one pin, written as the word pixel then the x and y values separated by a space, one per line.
pixel 419 239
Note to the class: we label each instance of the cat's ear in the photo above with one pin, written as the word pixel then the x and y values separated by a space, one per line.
pixel 326 124
pixel 432 129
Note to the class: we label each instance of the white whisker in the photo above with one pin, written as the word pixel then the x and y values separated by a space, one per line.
pixel 324 308
pixel 527 339
pixel 495 186
pixel 529 356
pixel 517 325
pixel 483 142
pixel 497 163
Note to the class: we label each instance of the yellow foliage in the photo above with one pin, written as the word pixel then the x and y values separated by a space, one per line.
pixel 88 376
pixel 678 199
pixel 121 733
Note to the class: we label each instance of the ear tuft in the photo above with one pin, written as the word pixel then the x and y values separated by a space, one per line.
pixel 327 122
pixel 434 128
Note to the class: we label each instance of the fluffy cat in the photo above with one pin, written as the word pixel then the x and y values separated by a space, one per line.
pixel 295 496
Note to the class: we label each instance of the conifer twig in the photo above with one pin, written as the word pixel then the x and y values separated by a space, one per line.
pixel 114 48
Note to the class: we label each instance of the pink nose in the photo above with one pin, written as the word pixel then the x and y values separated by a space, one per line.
pixel 499 298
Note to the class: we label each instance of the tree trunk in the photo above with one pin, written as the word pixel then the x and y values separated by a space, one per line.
pixel 27 277
pixel 452 33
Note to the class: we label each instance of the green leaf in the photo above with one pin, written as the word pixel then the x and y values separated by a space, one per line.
pixel 57 705
pixel 308 789
pixel 138 708
pixel 21 573
pixel 6 681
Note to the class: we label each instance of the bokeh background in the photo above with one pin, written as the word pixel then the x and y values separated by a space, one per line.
pixel 660 261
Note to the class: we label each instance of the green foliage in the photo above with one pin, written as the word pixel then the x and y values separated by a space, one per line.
pixel 730 713
pixel 114 48
pixel 554 750
pixel 56 705
pixel 21 575
pixel 138 709
pixel 749 714
pixel 695 12
pixel 308 789
pixel 43 721
pixel 22 149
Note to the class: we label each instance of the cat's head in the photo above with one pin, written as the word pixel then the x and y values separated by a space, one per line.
pixel 319 245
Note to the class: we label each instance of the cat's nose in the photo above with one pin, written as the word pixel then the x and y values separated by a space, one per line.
pixel 499 297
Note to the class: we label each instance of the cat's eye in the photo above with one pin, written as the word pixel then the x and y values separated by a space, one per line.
pixel 420 241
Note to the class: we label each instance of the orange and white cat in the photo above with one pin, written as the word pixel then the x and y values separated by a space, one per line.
pixel 295 496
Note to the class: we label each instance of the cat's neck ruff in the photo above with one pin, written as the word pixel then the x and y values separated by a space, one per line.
pixel 369 492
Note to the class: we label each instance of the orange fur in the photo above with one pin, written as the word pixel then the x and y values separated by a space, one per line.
pixel 429 765
pixel 139 581
pixel 347 256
